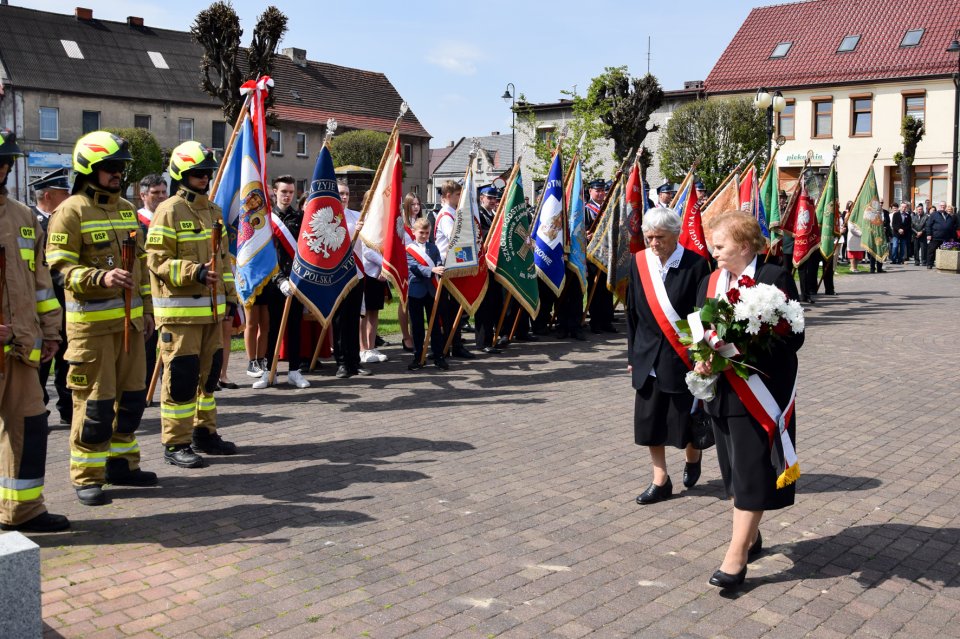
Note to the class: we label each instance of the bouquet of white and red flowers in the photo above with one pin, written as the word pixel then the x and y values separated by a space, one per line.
pixel 731 330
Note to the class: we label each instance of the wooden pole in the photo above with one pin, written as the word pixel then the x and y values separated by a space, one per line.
pixel 154 377
pixel 433 318
pixel 593 290
pixel 316 351
pixel 230 144
pixel 613 189
pixel 503 315
pixel 276 351
pixel 453 332
pixel 729 177
pixel 516 322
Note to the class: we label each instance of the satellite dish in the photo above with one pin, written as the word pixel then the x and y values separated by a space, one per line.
pixel 499 183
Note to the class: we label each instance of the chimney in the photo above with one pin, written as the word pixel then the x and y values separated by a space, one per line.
pixel 134 21
pixel 494 133
pixel 299 56
pixel 81 13
pixel 693 84
pixel 451 144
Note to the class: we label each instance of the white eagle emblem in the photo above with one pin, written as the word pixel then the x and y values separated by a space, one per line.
pixel 327 232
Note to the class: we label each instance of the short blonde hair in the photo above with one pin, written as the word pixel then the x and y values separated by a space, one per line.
pixel 742 227
pixel 421 223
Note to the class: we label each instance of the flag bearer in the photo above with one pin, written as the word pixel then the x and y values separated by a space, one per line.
pixel 601 306
pixel 185 288
pixel 84 245
pixel 29 333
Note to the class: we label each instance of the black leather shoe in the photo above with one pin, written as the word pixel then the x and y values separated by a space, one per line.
pixel 342 372
pixel 596 330
pixel 527 338
pixel 691 473
pixel 491 350
pixel 655 493
pixel 579 336
pixel 415 365
pixel 119 474
pixel 756 548
pixel 212 443
pixel 441 363
pixel 44 522
pixel 728 582
pixel 92 495
pixel 182 455
pixel 462 353
pixel 222 385
pixel 610 328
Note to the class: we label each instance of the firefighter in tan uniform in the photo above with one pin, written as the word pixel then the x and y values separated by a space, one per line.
pixel 84 245
pixel 29 333
pixel 185 288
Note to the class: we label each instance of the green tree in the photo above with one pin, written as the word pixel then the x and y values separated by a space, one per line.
pixel 584 123
pixel 147 156
pixel 624 105
pixel 217 30
pixel 360 148
pixel 717 134
pixel 911 132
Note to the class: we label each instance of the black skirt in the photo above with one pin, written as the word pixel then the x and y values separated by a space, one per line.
pixel 743 452
pixel 659 418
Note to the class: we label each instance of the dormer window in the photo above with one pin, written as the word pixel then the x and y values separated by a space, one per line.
pixel 72 49
pixel 911 38
pixel 781 50
pixel 849 43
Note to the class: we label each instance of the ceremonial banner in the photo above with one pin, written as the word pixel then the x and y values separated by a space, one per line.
pixel 245 203
pixel 509 254
pixel 383 224
pixel 801 223
pixel 866 218
pixel 828 211
pixel 548 230
pixel 635 208
pixel 750 200
pixel 770 202
pixel 692 236
pixel 728 199
pixel 465 269
pixel 679 202
pixel 599 246
pixel 323 269
pixel 619 237
pixel 577 260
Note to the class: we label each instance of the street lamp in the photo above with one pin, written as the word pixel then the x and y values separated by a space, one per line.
pixel 955 48
pixel 510 93
pixel 770 102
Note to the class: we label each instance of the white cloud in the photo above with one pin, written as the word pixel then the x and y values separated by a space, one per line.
pixel 458 58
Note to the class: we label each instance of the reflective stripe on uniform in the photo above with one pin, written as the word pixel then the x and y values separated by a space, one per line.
pixel 206 403
pixel 46 301
pixel 88 460
pixel 20 489
pixel 27 250
pixel 118 448
pixel 144 290
pixel 187 306
pixel 176 272
pixel 34 352
pixel 102 310
pixel 107 225
pixel 228 277
pixel 165 231
pixel 178 411
pixel 190 236
pixel 61 255
pixel 77 274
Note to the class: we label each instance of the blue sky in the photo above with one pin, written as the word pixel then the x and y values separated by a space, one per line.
pixel 453 60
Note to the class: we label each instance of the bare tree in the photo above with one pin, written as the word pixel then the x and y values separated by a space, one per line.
pixel 911 132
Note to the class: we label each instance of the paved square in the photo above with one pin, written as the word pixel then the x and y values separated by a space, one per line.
pixel 497 500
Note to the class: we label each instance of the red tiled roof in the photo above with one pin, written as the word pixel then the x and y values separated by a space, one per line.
pixel 346 120
pixel 816 28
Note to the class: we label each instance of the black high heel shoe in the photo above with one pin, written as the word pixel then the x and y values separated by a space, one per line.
pixel 756 548
pixel 726 581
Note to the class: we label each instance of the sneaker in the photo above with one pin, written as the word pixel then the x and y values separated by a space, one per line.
pixel 253 368
pixel 342 372
pixel 182 455
pixel 261 383
pixel 363 372
pixel 441 363
pixel 264 365
pixel 294 378
pixel 119 474
pixel 212 443
pixel 367 357
pixel 44 522
pixel 375 356
pixel 91 495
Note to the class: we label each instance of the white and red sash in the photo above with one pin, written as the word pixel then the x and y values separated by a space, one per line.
pixel 757 398
pixel 655 293
pixel 421 256
pixel 145 216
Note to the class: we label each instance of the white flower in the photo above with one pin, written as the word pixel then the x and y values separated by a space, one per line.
pixel 703 388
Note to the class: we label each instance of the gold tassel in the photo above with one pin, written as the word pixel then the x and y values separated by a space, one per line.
pixel 789 476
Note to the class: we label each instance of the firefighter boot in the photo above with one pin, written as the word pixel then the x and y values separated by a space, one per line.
pixel 211 443
pixel 119 474
pixel 91 495
pixel 182 455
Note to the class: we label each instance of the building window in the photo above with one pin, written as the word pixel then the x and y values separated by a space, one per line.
pixel 302 144
pixel 218 138
pixel 861 115
pixel 823 118
pixel 186 129
pixel 276 142
pixel 785 120
pixel 915 105
pixel 72 49
pixel 416 190
pixel 547 135
pixel 49 123
pixel 91 121
pixel 408 154
pixel 849 43
pixel 911 38
pixel 301 187
pixel 781 50
pixel 929 183
pixel 141 122
pixel 158 61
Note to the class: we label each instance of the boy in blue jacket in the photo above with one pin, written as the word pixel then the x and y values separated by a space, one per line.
pixel 423 262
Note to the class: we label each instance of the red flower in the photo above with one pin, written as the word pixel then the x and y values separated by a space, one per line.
pixel 782 327
pixel 733 295
pixel 747 281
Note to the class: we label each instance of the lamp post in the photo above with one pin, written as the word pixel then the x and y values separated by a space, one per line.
pixel 955 48
pixel 771 103
pixel 510 93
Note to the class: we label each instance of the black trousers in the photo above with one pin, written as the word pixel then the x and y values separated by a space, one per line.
pixel 919 249
pixel 932 247
pixel 419 312
pixel 488 313
pixel 601 306
pixel 523 324
pixel 548 300
pixel 570 306
pixel 291 338
pixel 64 396
pixel 448 314
pixel 275 302
pixel 808 276
pixel 346 329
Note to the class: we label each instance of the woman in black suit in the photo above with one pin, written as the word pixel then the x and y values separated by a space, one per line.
pixel 663 284
pixel 743 446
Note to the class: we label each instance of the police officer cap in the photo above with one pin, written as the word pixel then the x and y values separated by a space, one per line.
pixel 666 187
pixel 699 186
pixel 598 183
pixel 608 184
pixel 490 191
pixel 53 180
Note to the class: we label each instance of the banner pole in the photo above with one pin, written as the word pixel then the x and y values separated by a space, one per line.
pixel 153 380
pixel 516 322
pixel 503 315
pixel 323 338
pixel 230 145
pixel 453 332
pixel 593 290
pixel 276 350
pixel 431 321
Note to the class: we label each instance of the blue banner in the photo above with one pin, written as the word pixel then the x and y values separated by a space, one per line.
pixel 548 233
pixel 577 260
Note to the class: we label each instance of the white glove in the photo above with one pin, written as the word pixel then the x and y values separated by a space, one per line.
pixel 286 288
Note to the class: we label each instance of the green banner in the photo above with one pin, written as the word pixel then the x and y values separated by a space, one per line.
pixel 828 208
pixel 867 218
pixel 770 197
pixel 511 251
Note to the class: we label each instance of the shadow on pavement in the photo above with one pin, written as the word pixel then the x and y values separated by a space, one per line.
pixel 830 483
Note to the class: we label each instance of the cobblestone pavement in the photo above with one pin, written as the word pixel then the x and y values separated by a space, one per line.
pixel 497 500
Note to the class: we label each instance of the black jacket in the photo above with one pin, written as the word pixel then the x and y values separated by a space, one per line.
pixel 292 218
pixel 941 226
pixel 647 347
pixel 779 367
pixel 901 222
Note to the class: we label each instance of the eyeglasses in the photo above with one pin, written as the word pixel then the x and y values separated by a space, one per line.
pixel 111 166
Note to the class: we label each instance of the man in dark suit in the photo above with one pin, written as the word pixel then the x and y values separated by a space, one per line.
pixel 901 233
pixel 941 227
